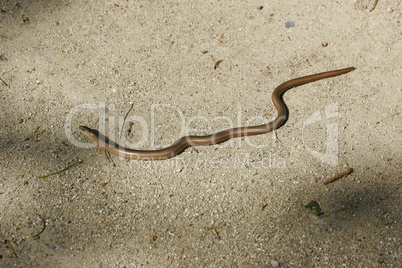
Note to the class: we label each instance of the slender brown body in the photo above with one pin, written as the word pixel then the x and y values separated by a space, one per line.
pixel 218 137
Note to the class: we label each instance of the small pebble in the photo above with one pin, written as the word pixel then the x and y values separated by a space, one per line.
pixel 289 24
pixel 260 7
pixel 51 246
pixel 275 263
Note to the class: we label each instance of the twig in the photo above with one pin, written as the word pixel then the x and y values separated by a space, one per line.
pixel 43 226
pixel 217 63
pixel 11 245
pixel 4 82
pixel 41 132
pixel 276 136
pixel 216 232
pixel 60 171
pixel 124 119
pixel 32 135
pixel 109 157
pixel 374 5
pixel 341 175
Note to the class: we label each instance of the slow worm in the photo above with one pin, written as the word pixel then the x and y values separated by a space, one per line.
pixel 221 136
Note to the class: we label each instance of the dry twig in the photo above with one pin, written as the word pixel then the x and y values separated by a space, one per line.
pixel 341 175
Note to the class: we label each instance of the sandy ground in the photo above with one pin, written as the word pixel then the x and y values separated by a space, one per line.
pixel 70 63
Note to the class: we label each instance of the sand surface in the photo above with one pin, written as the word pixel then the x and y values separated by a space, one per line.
pixel 240 203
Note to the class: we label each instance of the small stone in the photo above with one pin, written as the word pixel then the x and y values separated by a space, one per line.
pixel 289 24
pixel 260 7
pixel 275 263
